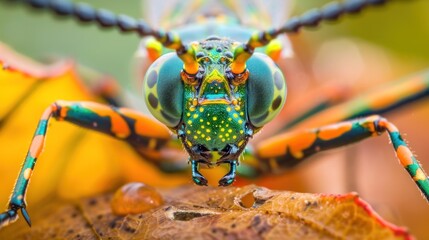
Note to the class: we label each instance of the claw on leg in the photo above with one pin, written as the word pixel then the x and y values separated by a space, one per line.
pixel 229 178
pixel 11 215
pixel 26 216
pixel 197 177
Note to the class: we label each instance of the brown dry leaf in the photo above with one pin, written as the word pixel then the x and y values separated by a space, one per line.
pixel 214 213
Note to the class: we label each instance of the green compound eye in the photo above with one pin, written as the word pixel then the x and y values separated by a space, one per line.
pixel 266 89
pixel 163 89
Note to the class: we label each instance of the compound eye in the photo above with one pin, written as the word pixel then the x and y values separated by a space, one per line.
pixel 190 79
pixel 164 89
pixel 266 90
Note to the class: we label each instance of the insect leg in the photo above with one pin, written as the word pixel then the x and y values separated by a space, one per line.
pixel 197 177
pixel 381 100
pixel 17 199
pixel 147 136
pixel 287 150
pixel 229 178
pixel 144 134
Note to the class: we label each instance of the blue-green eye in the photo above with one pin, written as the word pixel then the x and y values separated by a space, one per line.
pixel 266 89
pixel 163 89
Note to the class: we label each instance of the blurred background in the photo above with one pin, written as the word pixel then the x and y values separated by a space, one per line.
pixel 358 53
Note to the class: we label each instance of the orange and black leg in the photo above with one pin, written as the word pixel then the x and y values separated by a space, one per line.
pixel 289 149
pixel 384 99
pixel 144 134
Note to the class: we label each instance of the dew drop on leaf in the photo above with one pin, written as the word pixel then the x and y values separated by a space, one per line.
pixel 134 198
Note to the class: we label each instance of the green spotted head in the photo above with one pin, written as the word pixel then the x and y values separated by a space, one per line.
pixel 212 107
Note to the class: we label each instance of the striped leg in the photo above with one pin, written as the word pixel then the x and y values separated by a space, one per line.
pixel 35 77
pixel 330 105
pixel 146 135
pixel 289 149
pixel 383 99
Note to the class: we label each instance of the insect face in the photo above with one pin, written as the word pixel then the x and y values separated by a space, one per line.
pixel 214 116
pixel 214 110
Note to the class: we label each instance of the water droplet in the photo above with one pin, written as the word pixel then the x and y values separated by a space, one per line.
pixel 134 198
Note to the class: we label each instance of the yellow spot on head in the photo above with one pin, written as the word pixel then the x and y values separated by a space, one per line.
pixel 235 115
pixel 189 143
pixel 189 122
pixel 240 121
pixel 230 119
pixel 234 137
pixel 214 118
pixel 241 113
pixel 195 115
pixel 201 120
pixel 195 137
pixel 237 108
pixel 222 129
pixel 208 130
pixel 227 135
pixel 201 109
pixel 208 123
pixel 228 109
pixel 220 136
pixel 188 114
pixel 241 131
pixel 223 139
pixel 208 138
pixel 203 135
pixel 188 132
pixel 199 132
pixel 230 130
pixel 202 126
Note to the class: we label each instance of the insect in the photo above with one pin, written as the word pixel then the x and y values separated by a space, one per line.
pixel 215 94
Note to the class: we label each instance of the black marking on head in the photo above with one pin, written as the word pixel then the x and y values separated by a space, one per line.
pixel 278 80
pixel 229 54
pixel 276 103
pixel 208 46
pixel 200 55
pixel 213 38
pixel 152 79
pixel 261 118
pixel 153 101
